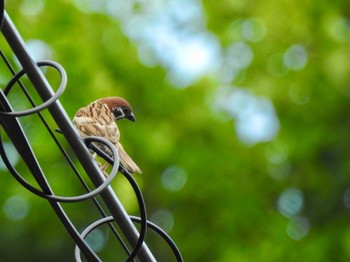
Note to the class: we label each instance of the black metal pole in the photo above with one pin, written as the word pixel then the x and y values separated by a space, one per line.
pixel 2 10
pixel 64 123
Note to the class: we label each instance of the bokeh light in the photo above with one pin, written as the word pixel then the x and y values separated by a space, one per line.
pixel 249 29
pixel 253 29
pixel 38 50
pixel 290 202
pixel 169 33
pixel 236 58
pixel 298 227
pixel 255 118
pixel 295 58
pixel 277 152
pixel 259 88
pixel 11 154
pixel 33 7
pixel 340 29
pixel 174 178
pixel 164 219
pixel 279 171
pixel 16 207
pixel 96 239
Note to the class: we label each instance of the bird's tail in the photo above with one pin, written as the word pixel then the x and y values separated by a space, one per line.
pixel 126 161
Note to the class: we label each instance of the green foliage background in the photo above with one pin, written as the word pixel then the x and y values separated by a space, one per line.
pixel 229 208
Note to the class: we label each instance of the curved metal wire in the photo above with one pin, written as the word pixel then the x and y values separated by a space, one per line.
pixel 15 132
pixel 164 235
pixel 143 214
pixel 89 141
pixel 65 199
pixel 90 144
pixel 142 221
pixel 10 123
pixel 47 103
pixel 149 224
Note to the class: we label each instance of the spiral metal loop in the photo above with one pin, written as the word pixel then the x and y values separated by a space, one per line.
pixel 9 122
pixel 6 112
pixel 47 103
pixel 135 219
pixel 65 199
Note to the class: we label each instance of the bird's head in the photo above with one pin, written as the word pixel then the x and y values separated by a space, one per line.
pixel 119 107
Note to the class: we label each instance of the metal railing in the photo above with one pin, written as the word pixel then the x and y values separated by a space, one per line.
pixel 111 209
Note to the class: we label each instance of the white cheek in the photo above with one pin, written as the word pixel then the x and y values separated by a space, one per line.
pixel 120 113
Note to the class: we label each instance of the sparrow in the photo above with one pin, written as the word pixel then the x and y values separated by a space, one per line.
pixel 99 119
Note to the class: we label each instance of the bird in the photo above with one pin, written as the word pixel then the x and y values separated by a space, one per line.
pixel 99 119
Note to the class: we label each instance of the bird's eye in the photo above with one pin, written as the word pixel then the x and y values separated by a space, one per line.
pixel 126 110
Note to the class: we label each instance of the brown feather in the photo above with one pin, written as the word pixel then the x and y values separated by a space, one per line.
pixel 126 161
pixel 114 101
pixel 97 119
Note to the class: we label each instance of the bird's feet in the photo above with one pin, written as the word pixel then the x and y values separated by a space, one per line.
pixel 103 168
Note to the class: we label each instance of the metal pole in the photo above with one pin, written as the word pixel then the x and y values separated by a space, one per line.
pixel 64 123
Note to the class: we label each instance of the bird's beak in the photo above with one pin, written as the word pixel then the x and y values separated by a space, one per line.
pixel 131 117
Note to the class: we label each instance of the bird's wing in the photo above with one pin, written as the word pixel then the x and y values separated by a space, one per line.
pixel 96 120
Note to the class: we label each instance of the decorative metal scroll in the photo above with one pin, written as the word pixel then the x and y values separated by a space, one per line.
pixel 111 210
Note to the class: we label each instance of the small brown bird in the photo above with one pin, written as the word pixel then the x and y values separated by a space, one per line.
pixel 98 119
